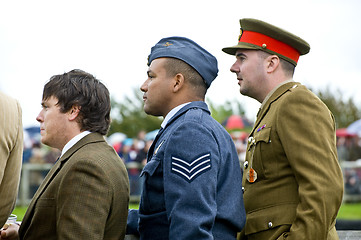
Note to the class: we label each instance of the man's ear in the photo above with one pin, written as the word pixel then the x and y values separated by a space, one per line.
pixel 273 62
pixel 73 113
pixel 178 82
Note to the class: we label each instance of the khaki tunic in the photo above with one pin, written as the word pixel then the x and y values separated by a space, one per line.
pixel 299 187
pixel 11 154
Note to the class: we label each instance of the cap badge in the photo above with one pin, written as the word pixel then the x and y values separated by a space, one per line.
pixel 167 44
pixel 240 34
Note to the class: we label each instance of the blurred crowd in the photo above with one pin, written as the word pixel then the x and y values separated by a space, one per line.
pixel 133 151
pixel 349 151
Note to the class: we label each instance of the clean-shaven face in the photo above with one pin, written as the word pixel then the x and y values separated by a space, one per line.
pixel 157 89
pixel 250 70
pixel 52 124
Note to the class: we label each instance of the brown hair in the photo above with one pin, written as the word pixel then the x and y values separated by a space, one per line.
pixel 79 88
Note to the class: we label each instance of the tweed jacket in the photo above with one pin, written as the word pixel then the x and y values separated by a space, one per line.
pixel 192 181
pixel 84 196
pixel 299 185
pixel 11 152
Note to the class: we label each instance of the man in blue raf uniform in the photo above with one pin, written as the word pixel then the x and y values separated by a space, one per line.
pixel 192 187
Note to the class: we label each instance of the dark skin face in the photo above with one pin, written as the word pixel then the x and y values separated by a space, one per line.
pixel 158 89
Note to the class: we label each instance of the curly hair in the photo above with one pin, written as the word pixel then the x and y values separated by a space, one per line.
pixel 79 88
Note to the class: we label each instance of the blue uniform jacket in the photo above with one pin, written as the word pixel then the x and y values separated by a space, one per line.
pixel 192 181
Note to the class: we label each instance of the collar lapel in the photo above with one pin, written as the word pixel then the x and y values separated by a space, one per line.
pixel 93 137
pixel 276 95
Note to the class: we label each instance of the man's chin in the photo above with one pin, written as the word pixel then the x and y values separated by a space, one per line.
pixel 44 141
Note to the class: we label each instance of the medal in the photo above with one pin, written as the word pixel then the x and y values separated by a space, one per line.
pixel 251 175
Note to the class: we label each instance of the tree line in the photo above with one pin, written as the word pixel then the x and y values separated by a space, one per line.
pixel 129 118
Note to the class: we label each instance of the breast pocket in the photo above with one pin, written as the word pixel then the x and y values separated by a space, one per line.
pixel 262 151
pixel 153 188
pixel 150 167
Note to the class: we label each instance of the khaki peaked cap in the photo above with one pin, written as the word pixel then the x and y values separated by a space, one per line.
pixel 259 35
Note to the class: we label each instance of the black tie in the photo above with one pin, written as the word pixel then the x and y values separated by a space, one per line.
pixel 151 149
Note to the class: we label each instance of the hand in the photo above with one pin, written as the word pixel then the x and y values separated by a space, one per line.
pixel 9 232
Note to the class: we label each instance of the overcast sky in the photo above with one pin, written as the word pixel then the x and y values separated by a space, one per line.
pixel 112 39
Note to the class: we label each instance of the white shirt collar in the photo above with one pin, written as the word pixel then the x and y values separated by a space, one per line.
pixel 172 113
pixel 73 141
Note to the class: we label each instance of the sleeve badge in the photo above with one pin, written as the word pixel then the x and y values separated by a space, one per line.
pixel 193 169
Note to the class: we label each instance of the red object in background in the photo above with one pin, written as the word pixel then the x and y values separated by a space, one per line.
pixel 342 132
pixel 236 122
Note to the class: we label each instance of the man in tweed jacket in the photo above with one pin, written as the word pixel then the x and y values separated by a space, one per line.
pixel 86 193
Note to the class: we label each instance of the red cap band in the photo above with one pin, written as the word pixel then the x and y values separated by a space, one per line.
pixel 272 44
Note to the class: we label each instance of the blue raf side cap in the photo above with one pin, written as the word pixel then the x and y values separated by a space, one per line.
pixel 190 52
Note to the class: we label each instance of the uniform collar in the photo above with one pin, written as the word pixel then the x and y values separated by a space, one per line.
pixel 275 94
pixel 179 110
pixel 273 90
pixel 172 113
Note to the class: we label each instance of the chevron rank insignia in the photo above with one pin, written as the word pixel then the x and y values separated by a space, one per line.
pixel 191 170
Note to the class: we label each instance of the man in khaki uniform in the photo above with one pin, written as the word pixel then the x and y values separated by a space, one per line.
pixel 11 152
pixel 292 181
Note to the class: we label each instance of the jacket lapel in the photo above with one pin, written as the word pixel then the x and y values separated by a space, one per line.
pixel 29 212
pixel 275 96
pixel 93 137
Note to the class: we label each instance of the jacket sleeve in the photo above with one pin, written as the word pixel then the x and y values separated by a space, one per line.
pixel 191 164
pixel 132 222
pixel 307 131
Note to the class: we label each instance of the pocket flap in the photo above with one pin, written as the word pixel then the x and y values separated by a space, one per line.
pixel 150 167
pixel 263 135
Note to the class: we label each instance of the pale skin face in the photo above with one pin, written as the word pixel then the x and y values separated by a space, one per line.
pixel 251 71
pixel 158 89
pixel 56 128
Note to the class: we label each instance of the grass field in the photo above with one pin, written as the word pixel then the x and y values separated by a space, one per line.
pixel 347 211
pixel 350 211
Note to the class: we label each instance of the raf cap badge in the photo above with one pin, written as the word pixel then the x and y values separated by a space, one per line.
pixel 167 44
